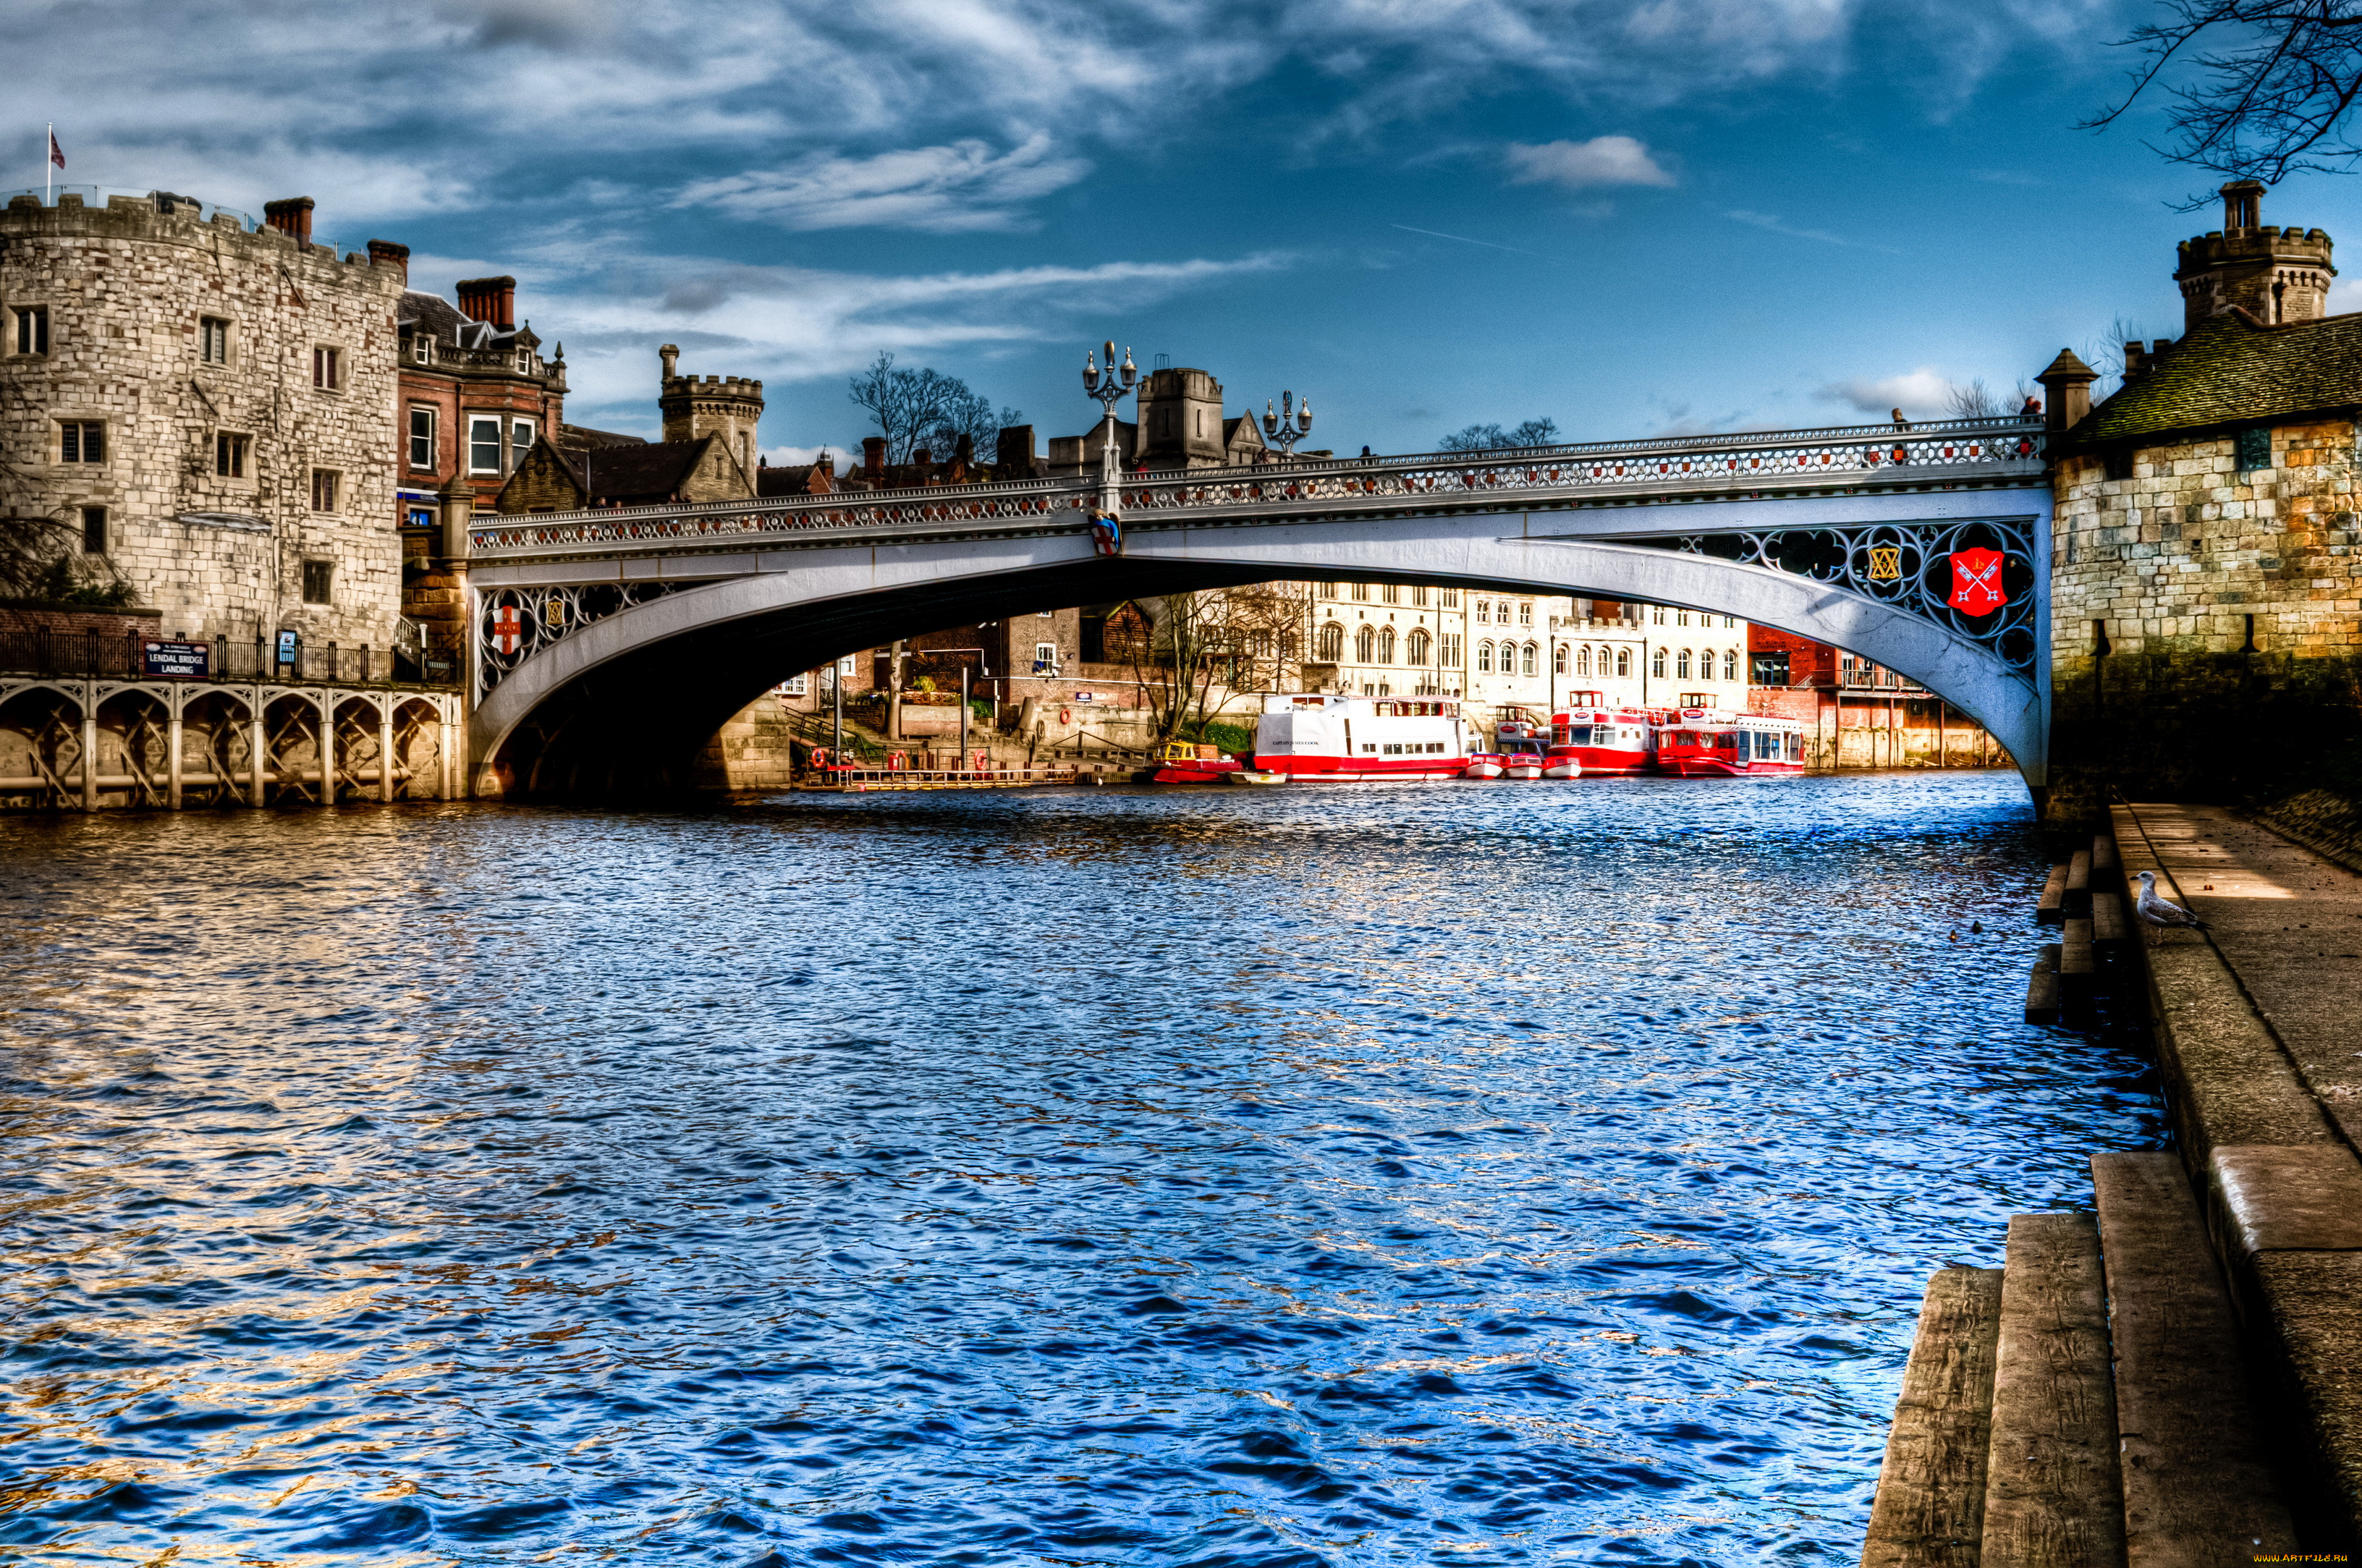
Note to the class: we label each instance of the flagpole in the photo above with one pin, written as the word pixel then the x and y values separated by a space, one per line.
pixel 48 168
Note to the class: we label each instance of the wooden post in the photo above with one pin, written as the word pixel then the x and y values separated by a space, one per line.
pixel 328 749
pixel 172 757
pixel 259 756
pixel 1943 741
pixel 90 752
pixel 963 750
pixel 385 755
pixel 442 765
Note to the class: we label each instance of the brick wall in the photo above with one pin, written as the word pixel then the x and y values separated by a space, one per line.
pixel 127 288
pixel 2231 606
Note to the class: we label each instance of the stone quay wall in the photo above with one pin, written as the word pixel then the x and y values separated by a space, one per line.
pixel 129 291
pixel 2206 622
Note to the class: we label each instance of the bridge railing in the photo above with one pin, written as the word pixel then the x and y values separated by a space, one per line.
pixel 1786 459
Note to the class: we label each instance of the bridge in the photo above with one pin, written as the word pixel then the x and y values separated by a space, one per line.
pixel 1925 548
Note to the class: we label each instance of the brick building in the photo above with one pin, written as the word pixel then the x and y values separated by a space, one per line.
pixel 1861 714
pixel 710 452
pixel 205 410
pixel 476 393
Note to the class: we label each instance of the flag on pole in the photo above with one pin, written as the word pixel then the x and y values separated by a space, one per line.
pixel 57 153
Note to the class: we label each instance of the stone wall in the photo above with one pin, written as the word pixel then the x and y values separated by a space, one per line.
pixel 127 289
pixel 2205 639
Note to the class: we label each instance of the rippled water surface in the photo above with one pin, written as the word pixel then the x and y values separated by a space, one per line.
pixel 1453 1175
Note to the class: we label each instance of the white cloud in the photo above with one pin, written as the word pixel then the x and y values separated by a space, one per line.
pixel 1920 395
pixel 962 186
pixel 1578 165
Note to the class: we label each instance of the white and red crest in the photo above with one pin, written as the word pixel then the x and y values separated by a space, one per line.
pixel 1976 582
pixel 508 632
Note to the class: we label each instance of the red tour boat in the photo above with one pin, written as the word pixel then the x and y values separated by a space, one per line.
pixel 1588 737
pixel 1711 742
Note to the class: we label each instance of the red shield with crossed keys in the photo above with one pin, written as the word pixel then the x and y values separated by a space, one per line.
pixel 1976 582
pixel 507 632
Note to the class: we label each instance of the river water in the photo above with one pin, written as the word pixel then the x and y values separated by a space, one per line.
pixel 1456 1174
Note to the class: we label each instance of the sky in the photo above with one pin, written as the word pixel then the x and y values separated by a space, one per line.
pixel 1636 218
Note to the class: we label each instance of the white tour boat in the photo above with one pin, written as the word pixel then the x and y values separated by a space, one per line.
pixel 1320 734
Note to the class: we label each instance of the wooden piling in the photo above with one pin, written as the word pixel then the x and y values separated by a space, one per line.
pixel 1930 1508
pixel 2050 909
pixel 2075 967
pixel 2042 988
pixel 2053 1498
pixel 2078 893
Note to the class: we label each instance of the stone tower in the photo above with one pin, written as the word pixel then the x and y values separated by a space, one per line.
pixel 2276 274
pixel 726 406
pixel 1180 420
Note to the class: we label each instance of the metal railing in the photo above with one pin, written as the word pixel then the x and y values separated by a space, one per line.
pixel 86 654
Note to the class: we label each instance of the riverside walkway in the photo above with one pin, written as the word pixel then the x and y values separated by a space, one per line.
pixel 2177 1377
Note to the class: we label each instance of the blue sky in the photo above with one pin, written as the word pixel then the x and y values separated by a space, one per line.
pixel 1636 216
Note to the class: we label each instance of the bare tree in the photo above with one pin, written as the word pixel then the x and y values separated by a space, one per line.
pixel 1974 401
pixel 2272 85
pixel 1540 432
pixel 926 408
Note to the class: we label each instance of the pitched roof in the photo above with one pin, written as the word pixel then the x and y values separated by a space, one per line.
pixel 649 472
pixel 2232 370
pixel 583 436
pixel 431 314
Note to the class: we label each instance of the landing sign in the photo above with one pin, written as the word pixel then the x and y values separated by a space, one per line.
pixel 508 632
pixel 1976 582
pixel 177 660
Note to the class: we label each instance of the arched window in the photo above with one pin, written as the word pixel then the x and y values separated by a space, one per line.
pixel 1533 660
pixel 1730 664
pixel 1366 639
pixel 1333 643
pixel 1657 663
pixel 1385 644
pixel 1484 610
pixel 1557 659
pixel 1258 644
pixel 1484 658
pixel 1623 662
pixel 1415 648
pixel 1288 644
pixel 1682 665
pixel 1583 660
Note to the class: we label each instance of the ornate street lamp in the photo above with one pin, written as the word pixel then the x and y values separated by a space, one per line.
pixel 1291 423
pixel 1110 387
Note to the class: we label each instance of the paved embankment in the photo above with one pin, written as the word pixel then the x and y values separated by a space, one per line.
pixel 2258 1024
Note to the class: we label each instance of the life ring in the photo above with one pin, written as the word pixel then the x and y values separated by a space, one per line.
pixel 1065 717
pixel 897 762
pixel 820 757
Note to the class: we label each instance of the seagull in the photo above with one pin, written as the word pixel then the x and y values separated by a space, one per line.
pixel 2163 912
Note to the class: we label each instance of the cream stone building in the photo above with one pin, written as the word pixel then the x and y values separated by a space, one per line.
pixel 1518 649
pixel 205 412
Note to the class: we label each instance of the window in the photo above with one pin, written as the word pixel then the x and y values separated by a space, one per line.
pixel 33 329
pixel 1730 623
pixel 1730 664
pixel 81 441
pixel 93 531
pixel 323 496
pixel 1682 665
pixel 213 340
pixel 1452 599
pixel 1657 613
pixel 1624 662
pixel 1390 594
pixel 1525 614
pixel 1449 658
pixel 1046 659
pixel 1770 668
pixel 1557 659
pixel 484 445
pixel 1333 643
pixel 1415 648
pixel 795 686
pixel 1328 591
pixel 229 454
pixel 1385 644
pixel 2116 462
pixel 1365 642
pixel 1657 663
pixel 317 575
pixel 1533 661
pixel 2255 447
pixel 422 438
pixel 1362 591
pixel 1681 618
pixel 520 442
pixel 1484 658
pixel 1419 596
pixel 1583 660
pixel 328 368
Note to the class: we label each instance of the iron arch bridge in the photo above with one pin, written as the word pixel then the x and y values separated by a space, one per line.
pixel 609 645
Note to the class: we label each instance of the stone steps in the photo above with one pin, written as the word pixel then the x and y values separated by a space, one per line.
pixel 2086 1405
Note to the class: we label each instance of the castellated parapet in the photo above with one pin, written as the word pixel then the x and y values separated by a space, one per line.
pixel 729 407
pixel 2274 275
pixel 242 389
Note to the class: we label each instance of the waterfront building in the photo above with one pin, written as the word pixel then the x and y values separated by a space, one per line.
pixel 476 393
pixel 201 411
pixel 1859 714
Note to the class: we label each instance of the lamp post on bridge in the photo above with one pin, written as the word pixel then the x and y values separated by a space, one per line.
pixel 1110 387
pixel 1291 423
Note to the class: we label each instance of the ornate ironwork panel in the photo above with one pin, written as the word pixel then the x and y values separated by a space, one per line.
pixel 514 624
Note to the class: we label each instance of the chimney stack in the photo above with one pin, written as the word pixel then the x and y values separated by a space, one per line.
pixel 873 458
pixel 671 355
pixel 2069 382
pixel 386 253
pixel 291 216
pixel 489 299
